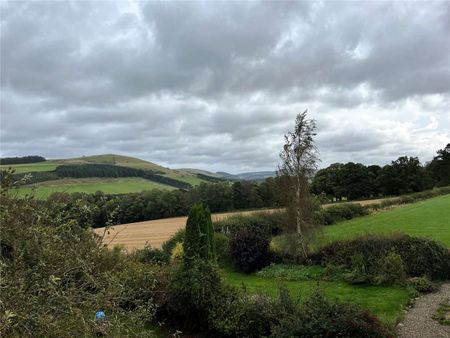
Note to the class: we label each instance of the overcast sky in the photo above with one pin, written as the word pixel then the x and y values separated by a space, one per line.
pixel 216 85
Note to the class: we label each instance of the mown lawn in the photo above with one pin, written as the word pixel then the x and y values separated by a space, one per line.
pixel 429 219
pixel 91 185
pixel 386 303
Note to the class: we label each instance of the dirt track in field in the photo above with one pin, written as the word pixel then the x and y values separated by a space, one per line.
pixel 136 235
pixel 155 233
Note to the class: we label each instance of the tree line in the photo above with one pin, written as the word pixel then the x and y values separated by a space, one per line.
pixel 402 176
pixel 100 209
pixel 21 160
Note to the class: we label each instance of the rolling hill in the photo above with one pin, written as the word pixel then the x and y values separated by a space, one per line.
pixel 113 174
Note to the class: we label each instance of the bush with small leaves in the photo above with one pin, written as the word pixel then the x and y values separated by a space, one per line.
pixel 421 284
pixel 249 250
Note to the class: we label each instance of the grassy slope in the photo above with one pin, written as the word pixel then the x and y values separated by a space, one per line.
pixel 32 167
pixel 118 186
pixel 429 219
pixel 91 185
pixel 386 303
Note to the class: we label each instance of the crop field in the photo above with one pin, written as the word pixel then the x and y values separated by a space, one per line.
pixel 385 302
pixel 91 185
pixel 429 219
pixel 155 233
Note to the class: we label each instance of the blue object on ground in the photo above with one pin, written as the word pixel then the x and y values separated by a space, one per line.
pixel 100 315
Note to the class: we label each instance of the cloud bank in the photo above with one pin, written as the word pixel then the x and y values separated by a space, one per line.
pixel 215 85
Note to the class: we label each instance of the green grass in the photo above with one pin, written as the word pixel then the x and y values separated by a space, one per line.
pixel 442 314
pixel 31 167
pixel 428 219
pixel 91 185
pixel 185 177
pixel 386 303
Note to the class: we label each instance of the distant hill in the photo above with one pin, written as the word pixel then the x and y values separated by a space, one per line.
pixel 106 172
pixel 248 176
pixel 109 173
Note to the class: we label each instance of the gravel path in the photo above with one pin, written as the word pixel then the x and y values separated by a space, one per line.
pixel 418 322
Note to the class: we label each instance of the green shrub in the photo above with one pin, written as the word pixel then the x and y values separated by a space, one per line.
pixel 334 214
pixel 391 270
pixel 270 223
pixel 420 257
pixel 191 293
pixel 236 314
pixel 318 317
pixel 421 284
pixel 151 255
pixel 222 243
pixel 249 249
pixel 359 273
pixel 170 244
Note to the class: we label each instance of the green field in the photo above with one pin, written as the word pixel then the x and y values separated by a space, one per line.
pixel 387 303
pixel 428 219
pixel 91 185
pixel 31 167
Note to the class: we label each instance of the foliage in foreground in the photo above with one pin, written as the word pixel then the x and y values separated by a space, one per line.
pixel 240 315
pixel 318 317
pixel 54 276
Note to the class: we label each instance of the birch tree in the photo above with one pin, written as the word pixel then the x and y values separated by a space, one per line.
pixel 299 159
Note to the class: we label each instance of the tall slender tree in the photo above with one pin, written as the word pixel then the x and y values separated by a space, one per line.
pixel 299 159
pixel 199 240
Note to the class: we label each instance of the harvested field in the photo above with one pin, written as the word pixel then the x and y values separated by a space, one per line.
pixel 155 233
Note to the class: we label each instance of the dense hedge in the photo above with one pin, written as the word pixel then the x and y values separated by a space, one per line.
pixel 419 257
pixel 269 222
pixel 21 160
pixel 337 213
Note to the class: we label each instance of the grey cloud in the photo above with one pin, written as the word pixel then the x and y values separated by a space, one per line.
pixel 216 85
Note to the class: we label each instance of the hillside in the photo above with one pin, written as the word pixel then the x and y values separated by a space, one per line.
pixel 142 175
pixel 248 176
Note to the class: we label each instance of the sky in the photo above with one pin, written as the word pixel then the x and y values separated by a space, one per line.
pixel 216 85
